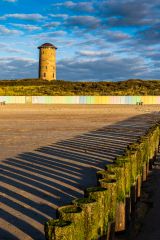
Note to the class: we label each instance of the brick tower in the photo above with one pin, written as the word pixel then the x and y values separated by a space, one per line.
pixel 47 62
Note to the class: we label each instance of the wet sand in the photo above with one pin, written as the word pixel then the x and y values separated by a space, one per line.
pixel 41 169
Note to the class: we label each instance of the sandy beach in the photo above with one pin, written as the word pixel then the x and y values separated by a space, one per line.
pixel 26 127
pixel 48 150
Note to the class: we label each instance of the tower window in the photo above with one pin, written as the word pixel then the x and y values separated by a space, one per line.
pixel 46 67
pixel 53 75
pixel 44 74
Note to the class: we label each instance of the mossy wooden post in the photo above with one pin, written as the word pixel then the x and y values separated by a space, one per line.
pixel 138 188
pixel 132 155
pixel 153 160
pixel 120 220
pixel 111 231
pixel 146 141
pixel 144 173
pixel 101 196
pixel 76 216
pixel 91 213
pixel 152 146
pixel 128 191
pixel 147 168
pixel 141 159
pixel 120 216
pixel 134 165
pixel 121 213
pixel 110 185
pixel 157 137
pixel 125 162
pixel 58 230
pixel 101 175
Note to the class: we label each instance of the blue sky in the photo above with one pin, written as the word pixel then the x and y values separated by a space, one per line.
pixel 97 40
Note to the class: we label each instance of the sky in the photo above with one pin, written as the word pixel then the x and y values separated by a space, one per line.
pixel 97 40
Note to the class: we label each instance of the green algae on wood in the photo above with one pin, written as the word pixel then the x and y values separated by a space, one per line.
pixel 56 229
pixel 111 186
pixel 101 196
pixel 76 216
pixel 91 210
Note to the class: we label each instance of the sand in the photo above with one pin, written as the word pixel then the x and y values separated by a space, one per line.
pixel 41 170
pixel 26 127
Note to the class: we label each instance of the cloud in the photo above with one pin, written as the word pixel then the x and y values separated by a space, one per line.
pixel 77 6
pixel 27 27
pixel 23 16
pixel 114 36
pixel 59 15
pixel 6 31
pixel 109 68
pixel 93 54
pixel 11 59
pixel 51 24
pixel 12 1
pixel 102 69
pixel 7 49
pixel 49 35
pixel 129 13
pixel 79 21
pixel 90 22
pixel 14 67
pixel 150 35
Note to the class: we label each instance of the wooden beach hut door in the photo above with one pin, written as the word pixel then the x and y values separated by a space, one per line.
pixel 29 99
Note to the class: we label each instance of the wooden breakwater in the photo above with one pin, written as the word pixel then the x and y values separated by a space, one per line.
pixel 108 207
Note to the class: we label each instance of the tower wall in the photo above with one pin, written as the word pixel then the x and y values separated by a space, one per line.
pixel 47 63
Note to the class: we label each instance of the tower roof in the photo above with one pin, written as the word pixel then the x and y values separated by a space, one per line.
pixel 46 45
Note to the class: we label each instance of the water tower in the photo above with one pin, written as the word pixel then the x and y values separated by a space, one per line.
pixel 47 62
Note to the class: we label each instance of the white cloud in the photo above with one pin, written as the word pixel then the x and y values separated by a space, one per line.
pixel 111 68
pixel 91 53
pixel 27 27
pixel 59 16
pixel 10 1
pixel 18 67
pixel 27 60
pixel 49 35
pixel 52 24
pixel 83 21
pixel 8 49
pixel 117 35
pixel 6 31
pixel 22 16
pixel 79 6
